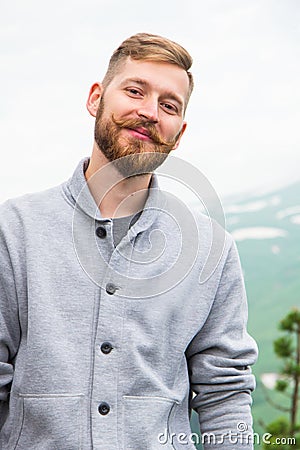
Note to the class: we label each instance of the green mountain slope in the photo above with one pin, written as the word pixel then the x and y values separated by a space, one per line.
pixel 267 232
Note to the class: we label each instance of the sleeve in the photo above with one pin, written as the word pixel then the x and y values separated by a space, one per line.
pixel 9 322
pixel 218 358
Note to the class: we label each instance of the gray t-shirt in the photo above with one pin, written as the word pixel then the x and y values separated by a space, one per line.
pixel 121 226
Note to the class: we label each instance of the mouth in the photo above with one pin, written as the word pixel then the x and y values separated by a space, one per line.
pixel 140 133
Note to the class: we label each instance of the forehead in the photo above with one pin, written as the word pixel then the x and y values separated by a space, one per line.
pixel 160 76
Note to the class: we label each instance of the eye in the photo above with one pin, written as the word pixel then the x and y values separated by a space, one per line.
pixel 170 109
pixel 134 92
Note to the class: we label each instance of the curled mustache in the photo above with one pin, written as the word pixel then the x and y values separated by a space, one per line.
pixel 149 126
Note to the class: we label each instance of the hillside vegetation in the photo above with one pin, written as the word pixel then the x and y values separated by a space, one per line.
pixel 267 232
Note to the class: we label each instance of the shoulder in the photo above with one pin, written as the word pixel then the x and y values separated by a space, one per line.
pixel 212 231
pixel 29 206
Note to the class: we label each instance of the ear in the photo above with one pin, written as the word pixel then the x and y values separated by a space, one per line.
pixel 94 97
pixel 180 135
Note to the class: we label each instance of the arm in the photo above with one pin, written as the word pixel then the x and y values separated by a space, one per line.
pixel 218 358
pixel 9 324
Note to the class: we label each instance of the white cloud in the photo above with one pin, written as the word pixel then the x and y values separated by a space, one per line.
pixel 296 219
pixel 242 234
pixel 288 211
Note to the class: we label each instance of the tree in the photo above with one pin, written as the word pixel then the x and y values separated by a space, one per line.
pixel 287 348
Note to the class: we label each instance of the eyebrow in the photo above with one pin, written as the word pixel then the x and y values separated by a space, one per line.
pixel 144 83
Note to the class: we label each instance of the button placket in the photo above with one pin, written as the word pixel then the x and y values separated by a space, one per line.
pixel 104 246
pixel 110 325
pixel 105 374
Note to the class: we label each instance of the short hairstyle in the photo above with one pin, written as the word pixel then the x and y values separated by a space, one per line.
pixel 150 47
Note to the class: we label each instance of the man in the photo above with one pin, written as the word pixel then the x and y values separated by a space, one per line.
pixel 107 336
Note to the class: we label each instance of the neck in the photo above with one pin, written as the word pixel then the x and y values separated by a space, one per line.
pixel 115 196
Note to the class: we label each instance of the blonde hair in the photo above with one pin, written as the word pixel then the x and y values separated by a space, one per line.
pixel 150 47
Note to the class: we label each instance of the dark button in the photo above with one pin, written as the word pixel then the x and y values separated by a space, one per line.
pixel 111 288
pixel 101 232
pixel 106 348
pixel 103 408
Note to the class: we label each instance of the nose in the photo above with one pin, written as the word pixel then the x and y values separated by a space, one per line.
pixel 148 110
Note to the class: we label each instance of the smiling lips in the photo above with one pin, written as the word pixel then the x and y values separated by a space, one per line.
pixel 140 133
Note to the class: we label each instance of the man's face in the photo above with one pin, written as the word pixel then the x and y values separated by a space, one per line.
pixel 141 114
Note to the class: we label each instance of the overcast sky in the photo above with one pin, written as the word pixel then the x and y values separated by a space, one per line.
pixel 243 118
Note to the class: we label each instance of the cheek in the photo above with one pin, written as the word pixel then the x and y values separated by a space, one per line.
pixel 173 130
pixel 120 106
